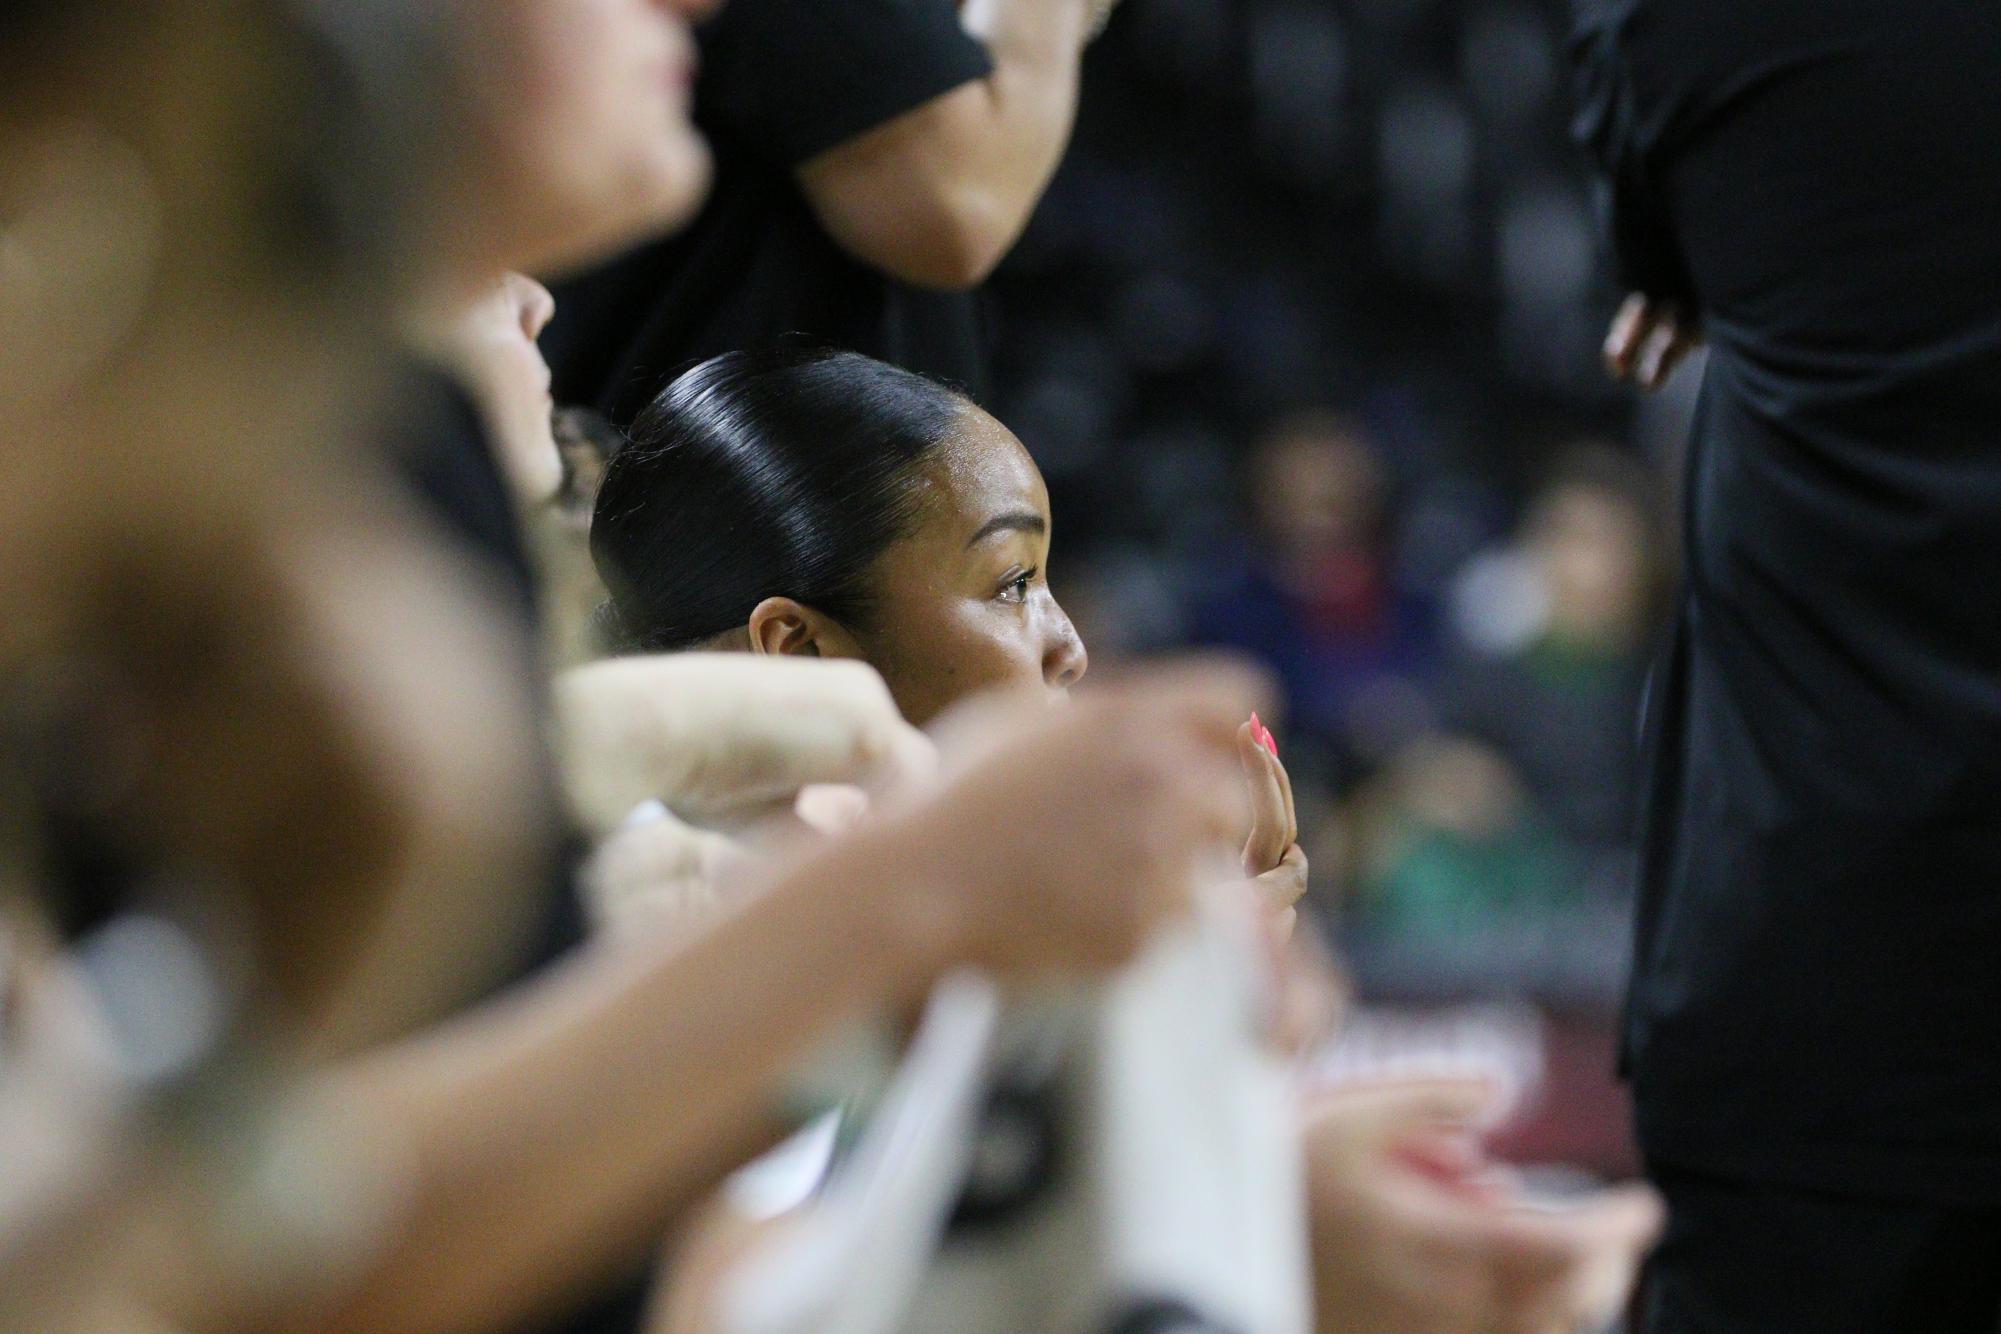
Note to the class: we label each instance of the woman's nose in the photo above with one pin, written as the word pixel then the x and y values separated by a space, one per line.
pixel 1066 661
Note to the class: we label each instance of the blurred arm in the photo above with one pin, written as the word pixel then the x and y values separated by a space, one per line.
pixel 556 1128
pixel 572 1120
pixel 939 195
pixel 716 735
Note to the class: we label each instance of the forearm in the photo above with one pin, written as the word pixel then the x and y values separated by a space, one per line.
pixel 558 1129
pixel 940 194
pixel 1037 48
pixel 719 735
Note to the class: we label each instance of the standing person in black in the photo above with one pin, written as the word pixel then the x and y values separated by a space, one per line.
pixel 875 159
pixel 1814 1027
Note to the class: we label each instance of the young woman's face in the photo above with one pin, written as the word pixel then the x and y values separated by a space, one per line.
pixel 963 603
pixel 587 107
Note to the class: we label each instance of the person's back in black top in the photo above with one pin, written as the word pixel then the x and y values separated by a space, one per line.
pixel 780 84
pixel 1817 990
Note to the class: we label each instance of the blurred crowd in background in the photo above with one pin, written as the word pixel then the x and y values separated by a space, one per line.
pixel 1363 432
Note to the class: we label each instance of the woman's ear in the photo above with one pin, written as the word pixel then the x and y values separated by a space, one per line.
pixel 782 626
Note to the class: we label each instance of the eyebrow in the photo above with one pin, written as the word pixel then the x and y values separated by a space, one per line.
pixel 1023 521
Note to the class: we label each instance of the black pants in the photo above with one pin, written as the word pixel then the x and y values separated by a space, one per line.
pixel 1743 1257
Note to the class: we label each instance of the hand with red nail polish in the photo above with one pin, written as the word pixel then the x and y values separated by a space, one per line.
pixel 1309 985
pixel 1265 738
pixel 1274 821
pixel 1414 1233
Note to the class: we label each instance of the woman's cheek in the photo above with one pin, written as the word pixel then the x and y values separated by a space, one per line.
pixel 1009 650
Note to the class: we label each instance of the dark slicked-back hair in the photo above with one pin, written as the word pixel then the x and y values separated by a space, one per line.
pixel 780 472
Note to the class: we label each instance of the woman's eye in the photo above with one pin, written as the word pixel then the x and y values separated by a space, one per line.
pixel 1016 589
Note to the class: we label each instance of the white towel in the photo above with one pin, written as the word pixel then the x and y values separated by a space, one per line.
pixel 1124 1158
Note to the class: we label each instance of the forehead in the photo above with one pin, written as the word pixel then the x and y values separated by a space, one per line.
pixel 980 471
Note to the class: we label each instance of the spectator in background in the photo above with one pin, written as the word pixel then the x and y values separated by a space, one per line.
pixel 875 160
pixel 1553 633
pixel 585 442
pixel 1315 594
pixel 1456 848
pixel 1515 821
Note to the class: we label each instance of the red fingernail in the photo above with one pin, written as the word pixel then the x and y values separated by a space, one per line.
pixel 1257 728
pixel 1271 743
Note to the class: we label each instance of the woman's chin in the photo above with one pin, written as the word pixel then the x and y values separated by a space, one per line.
pixel 684 171
pixel 656 199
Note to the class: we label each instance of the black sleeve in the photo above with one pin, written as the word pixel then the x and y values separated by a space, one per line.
pixel 1613 128
pixel 795 79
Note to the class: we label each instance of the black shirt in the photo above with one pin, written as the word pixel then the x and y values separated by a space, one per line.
pixel 442 451
pixel 1816 996
pixel 781 83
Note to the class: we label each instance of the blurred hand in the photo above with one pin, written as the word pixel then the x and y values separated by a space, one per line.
pixel 658 874
pixel 1309 988
pixel 1407 1242
pixel 1273 858
pixel 725 739
pixel 1311 994
pixel 1648 339
pixel 1063 836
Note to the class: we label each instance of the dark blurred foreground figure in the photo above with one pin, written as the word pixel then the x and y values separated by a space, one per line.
pixel 875 160
pixel 1814 1033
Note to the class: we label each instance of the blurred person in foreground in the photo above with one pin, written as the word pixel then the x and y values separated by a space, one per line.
pixel 875 160
pixel 800 502
pixel 1315 592
pixel 574 140
pixel 628 1070
pixel 1814 1024
pixel 545 462
pixel 188 260
pixel 248 714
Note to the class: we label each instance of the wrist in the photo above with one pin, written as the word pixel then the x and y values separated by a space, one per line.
pixel 918 911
